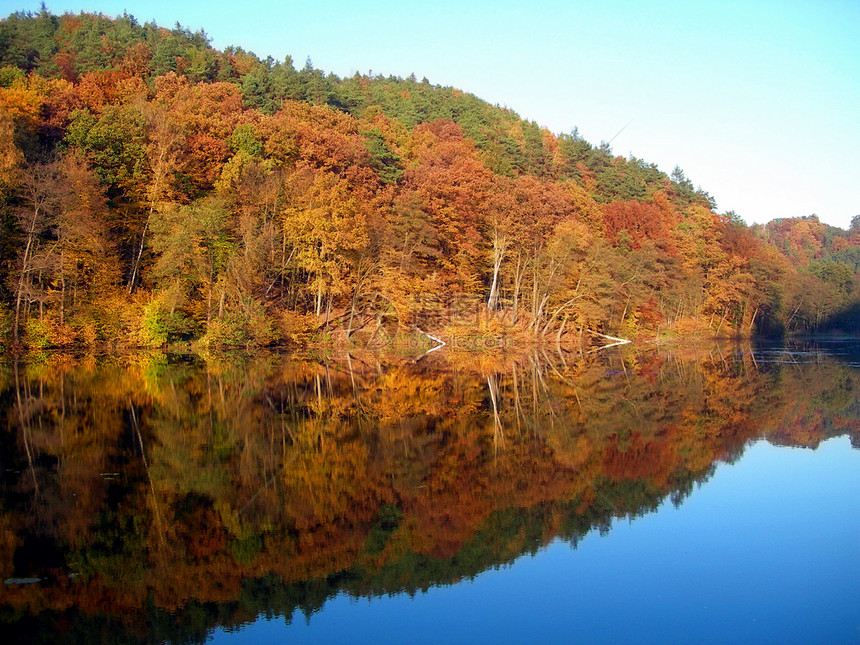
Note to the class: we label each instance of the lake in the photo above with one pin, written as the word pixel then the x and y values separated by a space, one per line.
pixel 656 495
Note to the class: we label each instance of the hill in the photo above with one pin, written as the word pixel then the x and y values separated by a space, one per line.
pixel 155 190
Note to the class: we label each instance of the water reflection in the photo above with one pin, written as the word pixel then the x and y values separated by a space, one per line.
pixel 151 497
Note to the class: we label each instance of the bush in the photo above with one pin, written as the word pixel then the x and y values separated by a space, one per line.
pixel 39 333
pixel 248 326
pixel 153 327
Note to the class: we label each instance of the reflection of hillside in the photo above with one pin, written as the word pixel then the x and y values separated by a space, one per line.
pixel 226 489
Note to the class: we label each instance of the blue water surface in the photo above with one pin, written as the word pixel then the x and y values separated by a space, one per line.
pixel 766 551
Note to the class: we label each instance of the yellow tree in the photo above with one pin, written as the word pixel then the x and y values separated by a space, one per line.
pixel 10 156
pixel 164 139
pixel 326 226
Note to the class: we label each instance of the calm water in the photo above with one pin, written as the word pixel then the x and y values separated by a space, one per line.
pixel 632 497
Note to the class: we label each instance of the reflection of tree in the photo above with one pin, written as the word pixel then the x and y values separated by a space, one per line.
pixel 269 485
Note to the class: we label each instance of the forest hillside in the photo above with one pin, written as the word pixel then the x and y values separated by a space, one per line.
pixel 154 190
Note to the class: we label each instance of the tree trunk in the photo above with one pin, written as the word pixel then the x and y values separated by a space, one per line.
pixel 561 331
pixel 624 313
pixel 720 326
pixel 62 286
pixel 24 269
pixel 518 278
pixel 327 310
pixel 136 264
pixel 500 244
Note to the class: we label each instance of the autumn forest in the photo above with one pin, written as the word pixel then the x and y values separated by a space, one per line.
pixel 155 191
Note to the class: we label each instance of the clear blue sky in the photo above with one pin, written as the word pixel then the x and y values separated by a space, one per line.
pixel 758 102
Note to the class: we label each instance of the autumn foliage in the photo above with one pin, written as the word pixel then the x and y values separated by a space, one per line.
pixel 230 201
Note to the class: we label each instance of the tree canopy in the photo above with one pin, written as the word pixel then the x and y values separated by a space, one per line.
pixel 236 200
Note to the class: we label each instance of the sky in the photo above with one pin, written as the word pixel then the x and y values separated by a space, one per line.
pixel 758 102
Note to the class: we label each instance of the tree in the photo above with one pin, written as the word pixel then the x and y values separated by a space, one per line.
pixel 327 227
pixel 85 262
pixel 635 221
pixel 11 158
pixel 193 243
pixel 560 274
pixel 40 187
pixel 114 142
pixel 164 142
pixel 383 161
pixel 453 184
pixel 501 221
